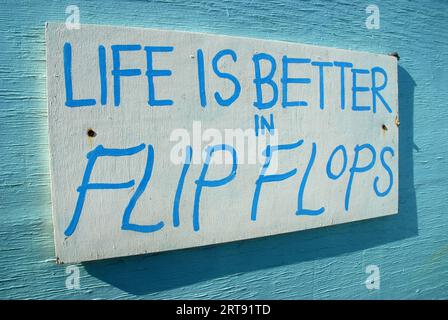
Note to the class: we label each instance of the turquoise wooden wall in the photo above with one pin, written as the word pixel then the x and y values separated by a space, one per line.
pixel 410 249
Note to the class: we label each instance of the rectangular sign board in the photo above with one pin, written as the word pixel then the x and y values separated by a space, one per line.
pixel 162 140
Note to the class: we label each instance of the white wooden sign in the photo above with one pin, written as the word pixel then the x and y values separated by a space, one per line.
pixel 163 140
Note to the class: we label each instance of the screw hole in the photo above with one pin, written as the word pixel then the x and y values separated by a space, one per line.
pixel 91 133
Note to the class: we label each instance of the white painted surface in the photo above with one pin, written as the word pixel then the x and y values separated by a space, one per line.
pixel 225 212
